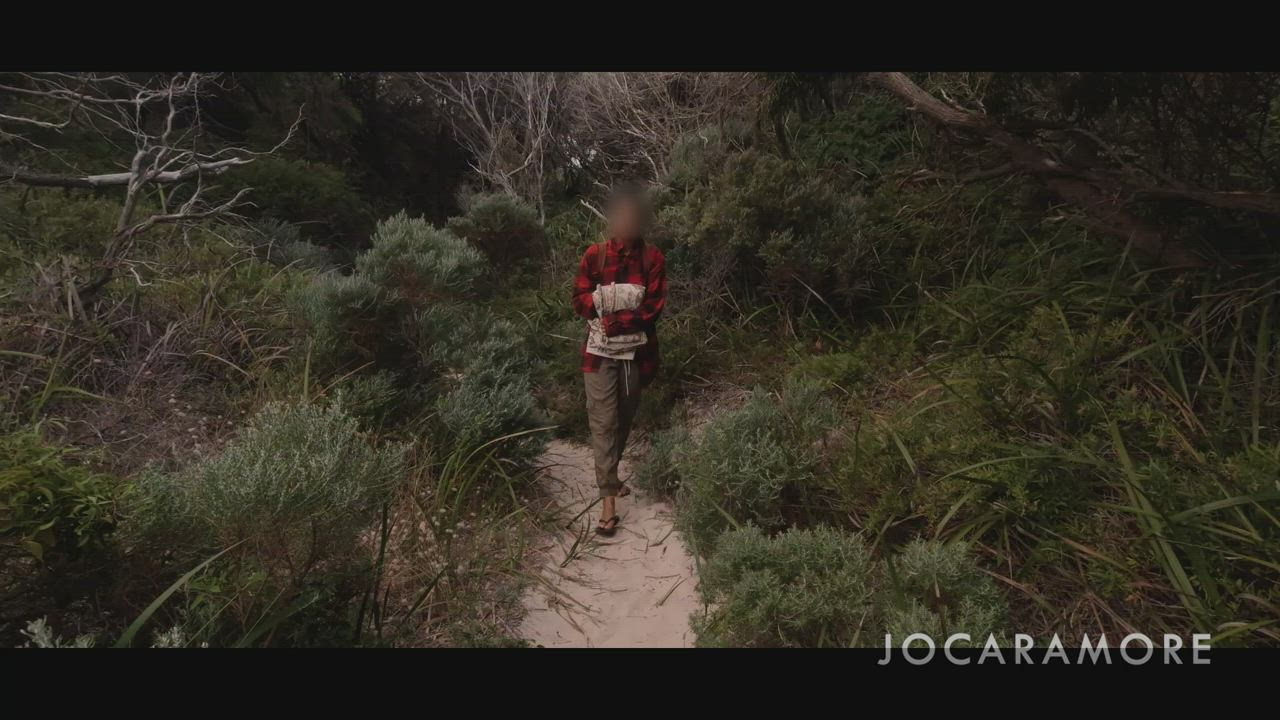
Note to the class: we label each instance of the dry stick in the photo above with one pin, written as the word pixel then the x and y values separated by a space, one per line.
pixel 561 595
pixel 673 589
pixel 578 541
pixel 592 208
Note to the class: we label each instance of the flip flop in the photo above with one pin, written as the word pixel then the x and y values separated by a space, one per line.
pixel 608 531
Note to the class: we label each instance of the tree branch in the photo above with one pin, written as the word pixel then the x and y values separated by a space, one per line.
pixel 1102 199
pixel 12 174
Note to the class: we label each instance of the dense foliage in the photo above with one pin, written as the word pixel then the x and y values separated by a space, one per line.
pixel 990 352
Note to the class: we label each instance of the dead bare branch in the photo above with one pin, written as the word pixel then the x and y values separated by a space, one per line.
pixel 509 122
pixel 159 116
pixel 627 122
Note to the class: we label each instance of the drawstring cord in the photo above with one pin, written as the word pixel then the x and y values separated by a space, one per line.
pixel 626 364
pixel 609 298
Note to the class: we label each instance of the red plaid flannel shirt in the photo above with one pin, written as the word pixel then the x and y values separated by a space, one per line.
pixel 623 264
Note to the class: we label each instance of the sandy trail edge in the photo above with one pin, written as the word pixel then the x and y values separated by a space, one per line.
pixel 636 589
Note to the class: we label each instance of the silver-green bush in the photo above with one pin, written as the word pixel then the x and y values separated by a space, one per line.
pixel 404 311
pixel 414 261
pixel 287 499
pixel 802 588
pixel 342 313
pixel 489 404
pixel 489 394
pixel 658 472
pixel 296 475
pixel 281 243
pixel 371 399
pixel 937 589
pixel 503 227
pixel 738 470
pixel 821 587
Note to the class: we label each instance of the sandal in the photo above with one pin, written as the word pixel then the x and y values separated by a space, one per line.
pixel 624 491
pixel 612 528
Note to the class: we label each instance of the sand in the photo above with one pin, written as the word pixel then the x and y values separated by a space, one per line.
pixel 636 589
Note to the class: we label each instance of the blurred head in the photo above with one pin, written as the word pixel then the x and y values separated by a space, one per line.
pixel 628 213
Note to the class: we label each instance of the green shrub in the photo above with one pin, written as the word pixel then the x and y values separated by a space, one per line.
pixel 737 474
pixel 404 310
pixel 347 319
pixel 354 321
pixel 41 224
pixel 918 241
pixel 414 262
pixel 314 194
pixel 747 460
pixel 281 244
pixel 292 493
pixel 696 156
pixel 491 402
pixel 802 588
pixel 302 255
pixel 466 335
pixel 503 227
pixel 658 472
pixel 783 226
pixel 486 387
pixel 48 505
pixel 301 472
pixel 396 305
pixel 867 140
pixel 371 398
pixel 877 354
pixel 937 589
pixel 568 233
pixel 820 587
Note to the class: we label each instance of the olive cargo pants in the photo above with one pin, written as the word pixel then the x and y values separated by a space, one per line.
pixel 613 394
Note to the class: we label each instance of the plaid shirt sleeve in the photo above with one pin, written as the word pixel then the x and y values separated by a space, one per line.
pixel 655 298
pixel 583 285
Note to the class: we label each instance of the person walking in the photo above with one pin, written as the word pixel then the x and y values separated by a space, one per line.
pixel 620 288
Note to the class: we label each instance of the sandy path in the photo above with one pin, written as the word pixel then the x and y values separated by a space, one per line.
pixel 635 589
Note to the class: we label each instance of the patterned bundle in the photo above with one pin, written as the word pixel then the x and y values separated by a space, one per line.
pixel 608 299
pixel 617 296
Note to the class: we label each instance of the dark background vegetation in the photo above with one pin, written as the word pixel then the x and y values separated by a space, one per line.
pixel 983 352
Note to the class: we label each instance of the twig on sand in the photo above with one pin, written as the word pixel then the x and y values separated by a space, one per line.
pixel 578 542
pixel 673 589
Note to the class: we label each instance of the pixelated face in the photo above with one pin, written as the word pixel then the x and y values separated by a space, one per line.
pixel 626 220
